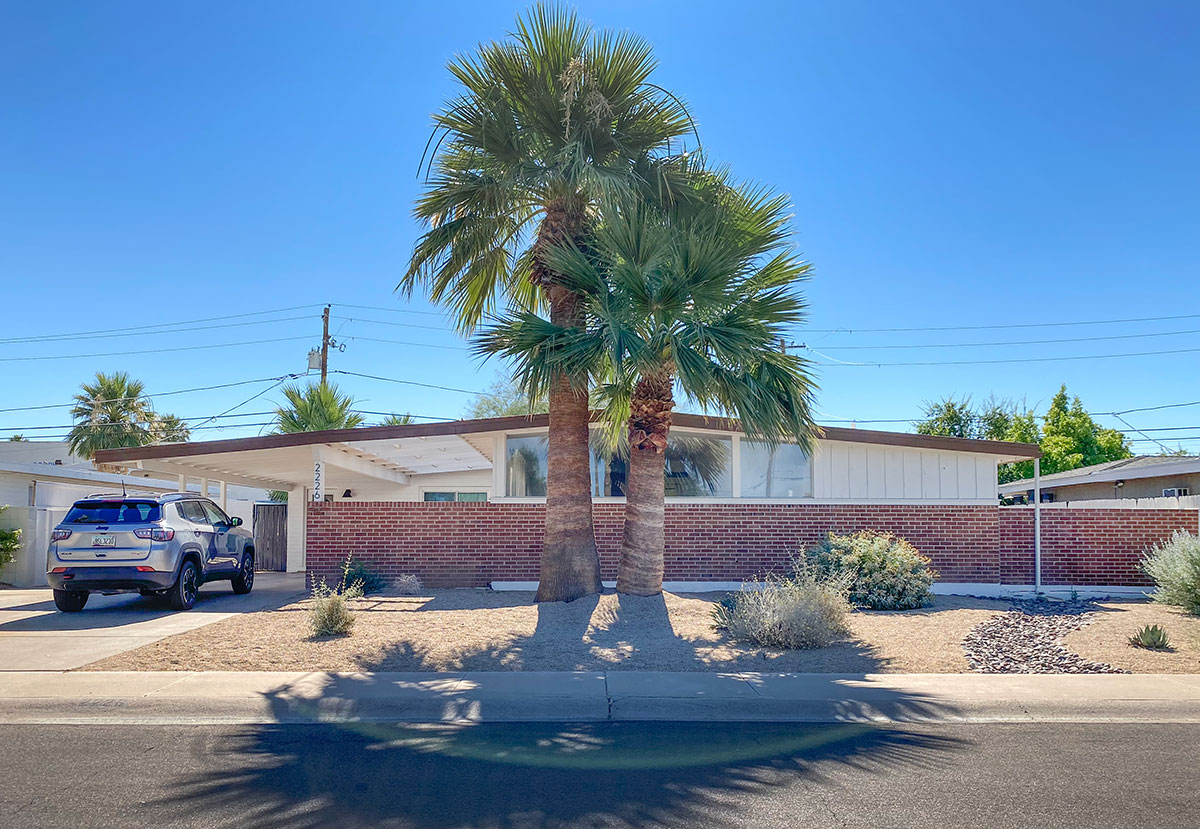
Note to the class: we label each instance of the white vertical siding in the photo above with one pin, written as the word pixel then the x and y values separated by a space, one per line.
pixel 877 472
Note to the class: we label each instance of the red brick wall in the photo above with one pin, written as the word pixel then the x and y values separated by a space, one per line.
pixel 1085 546
pixel 472 544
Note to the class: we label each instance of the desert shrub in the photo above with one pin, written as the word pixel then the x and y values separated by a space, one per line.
pixel 328 613
pixel 1151 637
pixel 883 571
pixel 1175 567
pixel 10 542
pixel 801 611
pixel 354 572
pixel 409 584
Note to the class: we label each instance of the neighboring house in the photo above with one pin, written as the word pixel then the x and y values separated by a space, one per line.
pixel 39 480
pixel 1151 476
pixel 462 503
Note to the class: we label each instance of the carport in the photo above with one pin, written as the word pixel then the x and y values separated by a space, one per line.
pixel 375 463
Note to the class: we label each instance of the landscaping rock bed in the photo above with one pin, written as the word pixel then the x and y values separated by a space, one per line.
pixel 1028 640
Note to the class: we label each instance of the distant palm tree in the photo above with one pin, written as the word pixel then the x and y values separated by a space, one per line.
pixel 546 123
pixel 396 420
pixel 314 408
pixel 699 295
pixel 111 412
pixel 169 428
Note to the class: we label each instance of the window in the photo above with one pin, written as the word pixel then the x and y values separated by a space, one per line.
pixel 192 511
pixel 461 497
pixel 695 466
pixel 782 472
pixel 1176 492
pixel 112 512
pixel 214 513
pixel 525 472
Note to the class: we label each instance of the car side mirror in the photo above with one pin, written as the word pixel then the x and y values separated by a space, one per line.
pixel 235 521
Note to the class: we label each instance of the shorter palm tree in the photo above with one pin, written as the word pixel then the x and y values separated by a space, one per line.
pixel 314 408
pixel 111 412
pixel 698 295
pixel 396 420
pixel 169 428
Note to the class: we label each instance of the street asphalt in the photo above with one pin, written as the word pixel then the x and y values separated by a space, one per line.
pixel 982 776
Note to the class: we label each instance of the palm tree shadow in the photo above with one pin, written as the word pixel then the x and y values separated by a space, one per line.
pixel 527 774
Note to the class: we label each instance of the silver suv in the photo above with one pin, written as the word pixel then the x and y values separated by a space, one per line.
pixel 157 545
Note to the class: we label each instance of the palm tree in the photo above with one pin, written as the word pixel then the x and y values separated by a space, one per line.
pixel 168 428
pixel 111 412
pixel 314 408
pixel 396 420
pixel 547 121
pixel 696 296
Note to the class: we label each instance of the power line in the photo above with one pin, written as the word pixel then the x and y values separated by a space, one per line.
pixel 155 351
pixel 872 364
pixel 144 328
pixel 403 342
pixel 410 382
pixel 176 330
pixel 1006 343
pixel 996 327
pixel 390 310
pixel 149 395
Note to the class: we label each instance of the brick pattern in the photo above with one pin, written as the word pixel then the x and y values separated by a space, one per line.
pixel 1085 546
pixel 465 544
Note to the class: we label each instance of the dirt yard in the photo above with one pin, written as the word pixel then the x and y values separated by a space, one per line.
pixel 1106 638
pixel 449 630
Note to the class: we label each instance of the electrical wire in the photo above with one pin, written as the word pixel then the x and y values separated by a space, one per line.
pixel 155 351
pixel 153 395
pixel 176 330
pixel 410 382
pixel 1007 343
pixel 403 342
pixel 997 327
pixel 873 364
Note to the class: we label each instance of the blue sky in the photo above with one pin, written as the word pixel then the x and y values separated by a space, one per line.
pixel 951 164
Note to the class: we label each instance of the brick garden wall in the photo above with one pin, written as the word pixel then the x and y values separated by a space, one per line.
pixel 1085 546
pixel 465 544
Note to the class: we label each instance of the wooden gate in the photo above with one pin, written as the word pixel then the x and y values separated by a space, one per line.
pixel 270 537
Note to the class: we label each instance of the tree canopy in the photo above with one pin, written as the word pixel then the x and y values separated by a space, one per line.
pixel 114 412
pixel 505 398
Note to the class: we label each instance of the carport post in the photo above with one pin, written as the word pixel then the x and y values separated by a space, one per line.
pixel 183 483
pixel 1037 525
pixel 222 492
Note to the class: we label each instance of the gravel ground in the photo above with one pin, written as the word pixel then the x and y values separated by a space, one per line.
pixel 1028 640
pixel 448 630
pixel 1106 637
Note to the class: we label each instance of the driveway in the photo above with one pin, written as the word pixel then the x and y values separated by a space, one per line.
pixel 35 636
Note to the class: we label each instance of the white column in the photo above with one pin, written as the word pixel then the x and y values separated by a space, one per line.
pixel 204 487
pixel 183 483
pixel 223 494
pixel 1037 525
pixel 297 515
pixel 318 487
pixel 735 466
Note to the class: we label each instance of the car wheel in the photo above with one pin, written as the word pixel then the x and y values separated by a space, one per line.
pixel 70 601
pixel 243 582
pixel 187 586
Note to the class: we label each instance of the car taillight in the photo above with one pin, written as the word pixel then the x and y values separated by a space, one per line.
pixel 59 570
pixel 155 534
pixel 60 535
pixel 145 569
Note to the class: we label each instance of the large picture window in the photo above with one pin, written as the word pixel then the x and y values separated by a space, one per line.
pixel 780 472
pixel 696 466
pixel 525 471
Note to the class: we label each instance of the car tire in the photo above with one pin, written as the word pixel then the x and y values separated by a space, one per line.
pixel 183 593
pixel 70 601
pixel 243 582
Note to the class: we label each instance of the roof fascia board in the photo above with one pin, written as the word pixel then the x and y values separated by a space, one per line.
pixel 1158 470
pixel 349 459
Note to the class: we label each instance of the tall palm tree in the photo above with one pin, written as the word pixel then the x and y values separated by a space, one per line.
pixel 315 407
pixel 111 412
pixel 697 296
pixel 546 122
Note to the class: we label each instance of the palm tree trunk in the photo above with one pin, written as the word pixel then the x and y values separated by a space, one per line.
pixel 570 563
pixel 640 571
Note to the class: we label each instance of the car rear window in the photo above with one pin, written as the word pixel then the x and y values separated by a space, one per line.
pixel 113 512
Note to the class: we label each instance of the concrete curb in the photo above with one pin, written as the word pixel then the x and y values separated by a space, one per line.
pixel 617 696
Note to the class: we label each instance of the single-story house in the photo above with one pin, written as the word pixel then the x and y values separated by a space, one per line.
pixel 1147 476
pixel 462 503
pixel 40 480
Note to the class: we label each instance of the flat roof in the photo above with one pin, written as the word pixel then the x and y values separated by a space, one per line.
pixel 118 457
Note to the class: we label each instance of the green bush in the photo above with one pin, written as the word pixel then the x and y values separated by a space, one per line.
pixel 1175 567
pixel 10 542
pixel 328 614
pixel 798 612
pixel 1151 637
pixel 883 571
pixel 357 579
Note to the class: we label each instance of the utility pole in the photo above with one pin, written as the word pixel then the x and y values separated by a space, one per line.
pixel 324 344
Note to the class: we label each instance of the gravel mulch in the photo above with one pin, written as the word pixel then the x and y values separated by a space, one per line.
pixel 1029 640
pixel 1106 637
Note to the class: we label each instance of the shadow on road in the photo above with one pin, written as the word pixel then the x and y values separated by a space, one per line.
pixel 528 774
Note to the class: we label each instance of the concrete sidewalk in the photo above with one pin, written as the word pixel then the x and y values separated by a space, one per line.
pixel 232 697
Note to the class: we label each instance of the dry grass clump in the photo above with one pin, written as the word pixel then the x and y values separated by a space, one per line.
pixel 800 612
pixel 328 613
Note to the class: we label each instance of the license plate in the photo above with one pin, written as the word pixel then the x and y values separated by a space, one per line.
pixel 104 541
